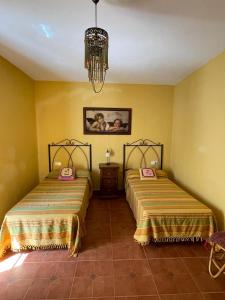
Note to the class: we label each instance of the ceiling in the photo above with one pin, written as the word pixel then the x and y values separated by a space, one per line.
pixel 150 41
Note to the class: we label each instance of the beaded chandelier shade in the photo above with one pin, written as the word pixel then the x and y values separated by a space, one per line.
pixel 96 54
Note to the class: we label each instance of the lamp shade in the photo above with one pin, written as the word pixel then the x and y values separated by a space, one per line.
pixel 108 153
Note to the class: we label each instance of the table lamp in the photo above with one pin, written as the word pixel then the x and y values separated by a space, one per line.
pixel 107 155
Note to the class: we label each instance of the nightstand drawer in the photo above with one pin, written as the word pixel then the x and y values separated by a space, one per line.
pixel 109 180
pixel 109 172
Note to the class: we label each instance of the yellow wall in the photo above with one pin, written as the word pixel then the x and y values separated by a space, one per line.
pixel 197 106
pixel 18 150
pixel 59 107
pixel 198 141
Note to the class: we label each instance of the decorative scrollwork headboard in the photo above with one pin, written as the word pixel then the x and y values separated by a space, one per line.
pixel 140 149
pixel 68 150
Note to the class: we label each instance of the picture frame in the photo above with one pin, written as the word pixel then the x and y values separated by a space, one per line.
pixel 110 121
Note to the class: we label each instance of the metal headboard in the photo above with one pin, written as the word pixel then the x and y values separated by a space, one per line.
pixel 69 146
pixel 143 146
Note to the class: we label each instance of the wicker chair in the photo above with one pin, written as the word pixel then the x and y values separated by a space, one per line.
pixel 217 254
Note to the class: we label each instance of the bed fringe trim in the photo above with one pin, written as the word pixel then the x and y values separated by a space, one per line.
pixel 172 240
pixel 32 247
pixel 179 239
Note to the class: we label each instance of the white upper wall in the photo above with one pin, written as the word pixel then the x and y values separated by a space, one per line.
pixel 150 41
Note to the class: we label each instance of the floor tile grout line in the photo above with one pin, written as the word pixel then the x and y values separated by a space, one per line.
pixel 192 277
pixel 127 259
pixel 111 260
pixel 49 261
pixel 24 297
pixel 110 224
pixel 191 293
pixel 221 292
pixel 133 296
pixel 92 287
pixel 122 296
pixel 73 280
pixel 172 257
pixel 151 273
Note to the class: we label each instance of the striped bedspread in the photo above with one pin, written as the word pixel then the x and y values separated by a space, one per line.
pixel 50 216
pixel 165 212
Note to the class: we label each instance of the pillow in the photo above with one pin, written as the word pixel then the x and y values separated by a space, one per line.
pixel 54 174
pixel 133 174
pixel 147 174
pixel 82 173
pixel 67 174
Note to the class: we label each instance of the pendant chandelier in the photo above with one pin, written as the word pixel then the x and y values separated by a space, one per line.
pixel 96 54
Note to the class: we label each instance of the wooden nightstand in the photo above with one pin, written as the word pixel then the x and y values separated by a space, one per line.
pixel 109 180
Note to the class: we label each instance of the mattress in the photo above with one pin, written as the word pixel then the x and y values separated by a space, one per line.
pixel 51 216
pixel 165 212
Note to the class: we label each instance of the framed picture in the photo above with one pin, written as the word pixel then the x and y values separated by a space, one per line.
pixel 98 120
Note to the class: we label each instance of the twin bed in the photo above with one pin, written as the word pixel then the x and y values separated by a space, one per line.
pixel 52 215
pixel 163 211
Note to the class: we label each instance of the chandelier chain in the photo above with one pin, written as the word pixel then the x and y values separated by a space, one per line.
pixel 96 15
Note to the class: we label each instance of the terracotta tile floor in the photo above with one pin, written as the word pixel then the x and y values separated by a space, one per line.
pixel 111 266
